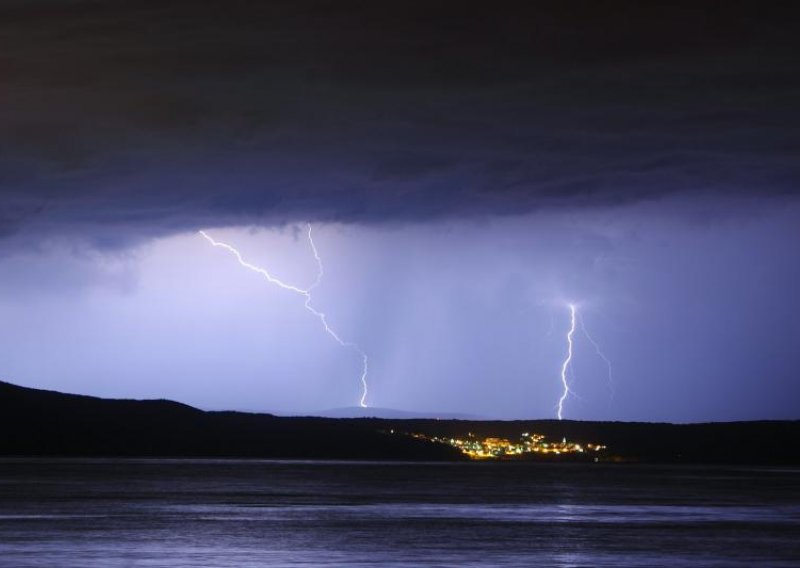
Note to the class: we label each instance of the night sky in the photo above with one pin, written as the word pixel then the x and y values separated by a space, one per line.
pixel 469 170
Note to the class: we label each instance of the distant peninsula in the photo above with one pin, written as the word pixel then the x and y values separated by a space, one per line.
pixel 47 423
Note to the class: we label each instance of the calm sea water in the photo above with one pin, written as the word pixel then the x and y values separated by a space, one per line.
pixel 202 513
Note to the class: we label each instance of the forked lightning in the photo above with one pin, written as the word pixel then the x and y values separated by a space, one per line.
pixel 306 293
pixel 566 367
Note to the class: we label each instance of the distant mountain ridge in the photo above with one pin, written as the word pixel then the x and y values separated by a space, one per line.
pixel 46 423
pixel 388 413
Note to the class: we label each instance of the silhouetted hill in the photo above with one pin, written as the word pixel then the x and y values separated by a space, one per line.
pixel 38 423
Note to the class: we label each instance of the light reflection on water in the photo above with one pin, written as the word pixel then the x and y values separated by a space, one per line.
pixel 121 513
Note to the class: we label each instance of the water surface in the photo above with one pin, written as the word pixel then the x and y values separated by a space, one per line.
pixel 206 513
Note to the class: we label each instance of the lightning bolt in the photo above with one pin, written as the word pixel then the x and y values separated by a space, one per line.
pixel 306 293
pixel 599 354
pixel 566 365
pixel 364 360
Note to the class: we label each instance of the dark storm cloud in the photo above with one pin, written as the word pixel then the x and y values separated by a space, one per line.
pixel 147 117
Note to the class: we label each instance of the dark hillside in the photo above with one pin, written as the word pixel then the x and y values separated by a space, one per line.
pixel 36 422
pixel 45 423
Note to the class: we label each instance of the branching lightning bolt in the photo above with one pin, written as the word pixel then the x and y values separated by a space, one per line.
pixel 306 293
pixel 565 366
pixel 364 360
pixel 601 355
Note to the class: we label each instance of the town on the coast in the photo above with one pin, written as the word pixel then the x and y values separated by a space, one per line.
pixel 529 445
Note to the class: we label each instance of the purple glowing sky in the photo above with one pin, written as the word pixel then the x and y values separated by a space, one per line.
pixel 469 172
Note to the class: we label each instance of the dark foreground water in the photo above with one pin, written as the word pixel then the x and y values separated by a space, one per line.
pixel 109 513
